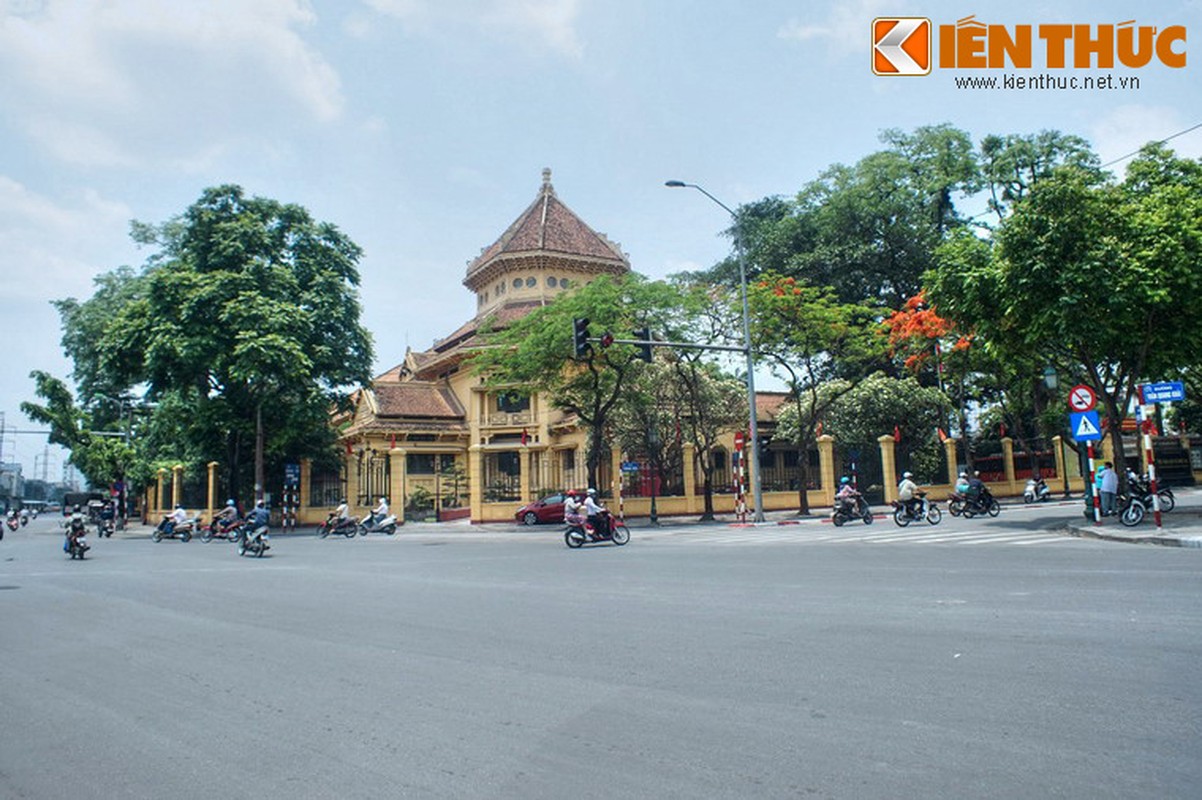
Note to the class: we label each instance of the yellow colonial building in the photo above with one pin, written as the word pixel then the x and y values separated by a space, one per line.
pixel 428 435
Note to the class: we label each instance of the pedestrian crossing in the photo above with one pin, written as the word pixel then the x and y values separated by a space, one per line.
pixel 982 536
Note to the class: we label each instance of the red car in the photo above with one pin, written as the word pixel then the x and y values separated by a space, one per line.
pixel 549 509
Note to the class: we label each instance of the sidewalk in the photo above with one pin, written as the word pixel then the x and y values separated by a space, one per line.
pixel 1182 527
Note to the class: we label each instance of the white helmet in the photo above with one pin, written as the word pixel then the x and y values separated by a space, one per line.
pixel 907 474
pixel 592 491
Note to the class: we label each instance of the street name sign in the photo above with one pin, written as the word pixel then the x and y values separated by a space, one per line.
pixel 1085 425
pixel 1164 392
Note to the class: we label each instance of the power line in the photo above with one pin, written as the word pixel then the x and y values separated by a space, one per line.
pixel 1162 141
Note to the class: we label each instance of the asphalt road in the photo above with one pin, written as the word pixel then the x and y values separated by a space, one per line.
pixel 692 663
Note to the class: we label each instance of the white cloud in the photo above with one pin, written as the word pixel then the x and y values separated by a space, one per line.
pixel 552 22
pixel 48 245
pixel 846 27
pixel 1127 128
pixel 108 84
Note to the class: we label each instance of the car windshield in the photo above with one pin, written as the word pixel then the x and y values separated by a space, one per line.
pixel 553 498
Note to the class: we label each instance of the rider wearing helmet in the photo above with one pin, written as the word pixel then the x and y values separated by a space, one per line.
pixel 596 513
pixel 229 513
pixel 571 508
pixel 342 515
pixel 847 492
pixel 907 491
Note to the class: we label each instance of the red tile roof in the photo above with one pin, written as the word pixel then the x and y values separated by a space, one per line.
pixel 413 399
pixel 548 226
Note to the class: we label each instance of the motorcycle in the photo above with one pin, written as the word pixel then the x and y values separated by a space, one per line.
pixel 333 525
pixel 253 541
pixel 24 520
pixel 904 513
pixel 370 524
pixel 580 531
pixel 12 523
pixel 105 528
pixel 849 508
pixel 76 540
pixel 221 529
pixel 1141 487
pixel 1037 491
pixel 984 503
pixel 168 529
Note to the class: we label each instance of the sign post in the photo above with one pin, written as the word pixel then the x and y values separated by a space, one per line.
pixel 1086 427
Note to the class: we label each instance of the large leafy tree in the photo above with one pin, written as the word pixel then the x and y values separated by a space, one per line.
pixel 244 325
pixel 809 338
pixel 535 353
pixel 1100 277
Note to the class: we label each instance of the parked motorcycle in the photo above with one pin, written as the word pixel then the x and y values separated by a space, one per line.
pixel 253 541
pixel 1037 491
pixel 905 513
pixel 1141 487
pixel 221 528
pixel 849 508
pixel 332 525
pixel 581 531
pixel 370 524
pixel 168 529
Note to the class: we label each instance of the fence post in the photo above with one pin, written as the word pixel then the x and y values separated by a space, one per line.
pixel 1008 462
pixel 306 488
pixel 889 466
pixel 688 456
pixel 826 468
pixel 212 495
pixel 158 489
pixel 397 464
pixel 615 472
pixel 475 483
pixel 949 448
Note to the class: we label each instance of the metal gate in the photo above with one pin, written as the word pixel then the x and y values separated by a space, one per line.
pixel 862 463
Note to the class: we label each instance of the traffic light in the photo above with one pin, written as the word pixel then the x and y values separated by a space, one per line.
pixel 644 350
pixel 607 339
pixel 580 336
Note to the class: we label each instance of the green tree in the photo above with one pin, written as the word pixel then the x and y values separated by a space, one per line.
pixel 1100 277
pixel 809 339
pixel 535 353
pixel 245 318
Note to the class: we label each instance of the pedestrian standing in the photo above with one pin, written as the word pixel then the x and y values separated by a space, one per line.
pixel 1110 488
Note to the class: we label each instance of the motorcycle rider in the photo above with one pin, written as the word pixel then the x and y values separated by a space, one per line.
pixel 571 508
pixel 341 515
pixel 595 513
pixel 259 518
pixel 907 493
pixel 380 513
pixel 77 525
pixel 847 493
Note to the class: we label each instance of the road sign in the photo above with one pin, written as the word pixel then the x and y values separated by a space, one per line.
pixel 739 440
pixel 630 466
pixel 1085 426
pixel 1082 398
pixel 1164 392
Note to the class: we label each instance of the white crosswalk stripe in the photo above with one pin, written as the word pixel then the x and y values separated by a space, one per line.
pixel 814 534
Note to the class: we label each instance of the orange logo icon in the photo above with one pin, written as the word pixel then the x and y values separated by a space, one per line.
pixel 901 45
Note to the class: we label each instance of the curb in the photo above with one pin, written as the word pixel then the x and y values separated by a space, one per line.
pixel 1153 538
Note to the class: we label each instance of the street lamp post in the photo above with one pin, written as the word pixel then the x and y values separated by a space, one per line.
pixel 753 446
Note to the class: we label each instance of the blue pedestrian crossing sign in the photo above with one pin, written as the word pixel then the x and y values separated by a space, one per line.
pixel 1085 425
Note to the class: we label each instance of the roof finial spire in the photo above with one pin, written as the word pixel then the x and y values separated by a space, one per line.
pixel 547 180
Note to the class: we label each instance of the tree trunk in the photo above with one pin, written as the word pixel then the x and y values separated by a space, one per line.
pixel 259 480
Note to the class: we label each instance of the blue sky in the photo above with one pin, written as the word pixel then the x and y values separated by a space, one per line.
pixel 421 128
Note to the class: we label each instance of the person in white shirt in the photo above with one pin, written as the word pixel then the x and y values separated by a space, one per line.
pixel 595 512
pixel 178 517
pixel 907 492
pixel 380 511
pixel 571 508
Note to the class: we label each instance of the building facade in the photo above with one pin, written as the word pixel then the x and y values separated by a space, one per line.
pixel 429 435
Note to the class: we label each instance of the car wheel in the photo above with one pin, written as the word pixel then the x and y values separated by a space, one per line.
pixel 530 518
